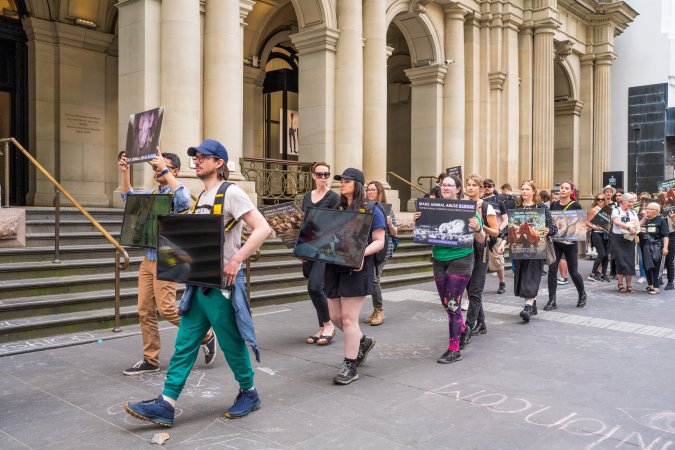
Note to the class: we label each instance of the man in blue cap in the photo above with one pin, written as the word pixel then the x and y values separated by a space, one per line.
pixel 226 311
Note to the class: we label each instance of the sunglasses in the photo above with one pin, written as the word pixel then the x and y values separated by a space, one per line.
pixel 600 199
pixel 322 174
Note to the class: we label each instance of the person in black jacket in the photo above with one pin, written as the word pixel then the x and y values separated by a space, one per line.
pixel 654 242
pixel 570 249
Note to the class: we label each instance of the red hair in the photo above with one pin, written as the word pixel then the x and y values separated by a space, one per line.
pixel 573 188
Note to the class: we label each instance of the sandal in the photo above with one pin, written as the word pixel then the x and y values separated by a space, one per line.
pixel 326 340
pixel 621 288
pixel 311 339
pixel 630 289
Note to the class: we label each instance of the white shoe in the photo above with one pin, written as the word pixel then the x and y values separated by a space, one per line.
pixel 642 280
pixel 465 305
pixel 494 274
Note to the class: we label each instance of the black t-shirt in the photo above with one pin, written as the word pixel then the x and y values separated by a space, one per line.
pixel 499 207
pixel 573 205
pixel 656 228
pixel 329 201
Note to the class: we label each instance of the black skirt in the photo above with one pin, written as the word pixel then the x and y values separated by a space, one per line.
pixel 340 281
pixel 527 277
pixel 623 252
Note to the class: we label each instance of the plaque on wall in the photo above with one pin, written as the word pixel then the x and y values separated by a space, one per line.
pixel 614 179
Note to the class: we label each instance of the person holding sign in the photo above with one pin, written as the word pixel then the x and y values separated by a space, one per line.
pixel 567 202
pixel 226 310
pixel 452 268
pixel 155 295
pixel 527 272
pixel 654 243
pixel 599 240
pixel 347 288
pixel 321 197
pixel 625 227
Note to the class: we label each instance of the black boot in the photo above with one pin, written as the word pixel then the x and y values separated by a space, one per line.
pixel 465 337
pixel 525 313
pixel 535 311
pixel 582 300
pixel 480 328
pixel 551 305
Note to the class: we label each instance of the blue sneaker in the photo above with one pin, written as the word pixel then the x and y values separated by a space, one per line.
pixel 157 411
pixel 245 403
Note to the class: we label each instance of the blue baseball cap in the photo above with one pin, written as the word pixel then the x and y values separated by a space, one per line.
pixel 209 147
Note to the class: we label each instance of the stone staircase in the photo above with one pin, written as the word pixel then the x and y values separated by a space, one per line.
pixel 39 298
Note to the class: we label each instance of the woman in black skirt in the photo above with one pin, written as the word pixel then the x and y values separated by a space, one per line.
pixel 625 226
pixel 347 288
pixel 321 197
pixel 654 243
pixel 569 249
pixel 527 272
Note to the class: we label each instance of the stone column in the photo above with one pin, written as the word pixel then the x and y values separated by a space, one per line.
pixel 349 86
pixel 224 76
pixel 509 148
pixel 585 179
pixel 253 118
pixel 472 101
pixel 180 76
pixel 454 94
pixel 543 112
pixel 496 79
pixel 316 98
pixel 139 28
pixel 602 127
pixel 426 122
pixel 525 52
pixel 375 91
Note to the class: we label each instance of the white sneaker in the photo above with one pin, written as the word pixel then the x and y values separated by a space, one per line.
pixel 465 305
pixel 642 280
pixel 562 281
pixel 494 274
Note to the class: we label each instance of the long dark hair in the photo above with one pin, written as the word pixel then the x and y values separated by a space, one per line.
pixel 359 198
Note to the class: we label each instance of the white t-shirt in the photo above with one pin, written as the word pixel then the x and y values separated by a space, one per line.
pixel 236 204
pixel 625 216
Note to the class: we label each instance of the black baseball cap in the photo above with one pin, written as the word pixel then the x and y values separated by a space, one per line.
pixel 351 174
pixel 488 181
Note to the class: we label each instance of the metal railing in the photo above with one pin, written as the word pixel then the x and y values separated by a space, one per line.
pixel 400 178
pixel 277 180
pixel 58 189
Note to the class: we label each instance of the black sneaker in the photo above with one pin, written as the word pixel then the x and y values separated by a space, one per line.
pixel 605 278
pixel 669 286
pixel 364 348
pixel 535 311
pixel 449 357
pixel 465 337
pixel 525 313
pixel 347 373
pixel 594 277
pixel 502 288
pixel 210 349
pixel 480 328
pixel 142 366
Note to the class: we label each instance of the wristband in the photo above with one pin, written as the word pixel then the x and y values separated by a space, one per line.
pixel 162 173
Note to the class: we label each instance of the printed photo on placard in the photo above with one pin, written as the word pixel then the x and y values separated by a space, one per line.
pixel 667 196
pixel 143 133
pixel 444 222
pixel 190 249
pixel 603 218
pixel 387 209
pixel 139 225
pixel 285 219
pixel 571 225
pixel 526 233
pixel 334 236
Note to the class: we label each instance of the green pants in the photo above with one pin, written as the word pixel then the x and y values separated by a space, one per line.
pixel 207 311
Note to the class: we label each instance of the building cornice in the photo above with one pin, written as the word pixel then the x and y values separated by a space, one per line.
pixel 315 40
pixel 568 107
pixel 433 74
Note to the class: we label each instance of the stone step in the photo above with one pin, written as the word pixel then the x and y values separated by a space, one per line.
pixel 15 329
pixel 69 238
pixel 66 253
pixel 71 225
pixel 71 213
pixel 47 269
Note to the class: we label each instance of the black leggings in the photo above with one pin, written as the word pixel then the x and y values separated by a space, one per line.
pixel 316 291
pixel 602 247
pixel 571 252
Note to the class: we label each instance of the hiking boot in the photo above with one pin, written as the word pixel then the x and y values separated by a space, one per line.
pixel 378 317
pixel 210 350
pixel 465 337
pixel 347 373
pixel 364 348
pixel 669 286
pixel 157 411
pixel 582 300
pixel 480 328
pixel 246 402
pixel 525 313
pixel 370 317
pixel 142 366
pixel 535 311
pixel 502 288
pixel 449 357
pixel 551 305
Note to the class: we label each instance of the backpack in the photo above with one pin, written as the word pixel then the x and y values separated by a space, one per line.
pixel 217 207
pixel 384 254
pixel 490 240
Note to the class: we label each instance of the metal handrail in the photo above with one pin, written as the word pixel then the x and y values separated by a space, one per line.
pixel 119 250
pixel 395 175
pixel 432 179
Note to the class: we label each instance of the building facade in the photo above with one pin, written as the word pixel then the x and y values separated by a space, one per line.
pixel 511 89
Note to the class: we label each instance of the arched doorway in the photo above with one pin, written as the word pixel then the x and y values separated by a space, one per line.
pixel 13 97
pixel 566 131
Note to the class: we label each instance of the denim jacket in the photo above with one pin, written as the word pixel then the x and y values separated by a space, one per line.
pixel 241 310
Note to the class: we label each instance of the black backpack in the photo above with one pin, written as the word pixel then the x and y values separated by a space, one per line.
pixel 383 255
